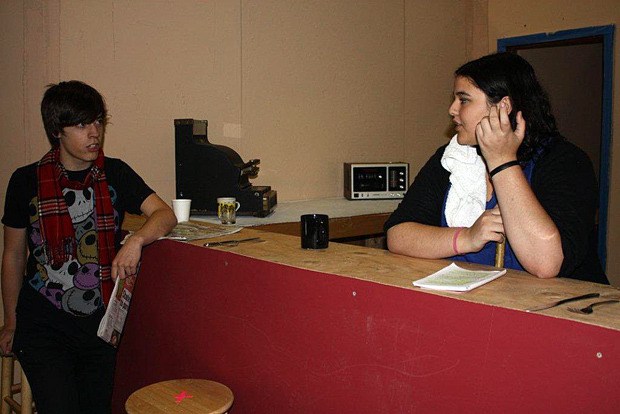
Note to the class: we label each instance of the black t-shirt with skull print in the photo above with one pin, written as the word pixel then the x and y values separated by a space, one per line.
pixel 73 287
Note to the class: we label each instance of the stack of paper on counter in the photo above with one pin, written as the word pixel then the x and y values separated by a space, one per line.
pixel 194 231
pixel 111 326
pixel 188 231
pixel 458 279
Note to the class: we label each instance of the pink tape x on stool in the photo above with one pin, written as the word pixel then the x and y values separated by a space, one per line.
pixel 181 396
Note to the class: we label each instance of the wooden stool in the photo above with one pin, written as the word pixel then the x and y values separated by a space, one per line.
pixel 181 396
pixel 8 389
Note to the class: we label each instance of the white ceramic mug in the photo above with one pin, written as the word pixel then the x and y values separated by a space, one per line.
pixel 227 209
pixel 181 207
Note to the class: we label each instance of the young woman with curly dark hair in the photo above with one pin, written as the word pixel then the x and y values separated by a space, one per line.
pixel 507 174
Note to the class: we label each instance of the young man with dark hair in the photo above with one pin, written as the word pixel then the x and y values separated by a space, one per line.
pixel 62 252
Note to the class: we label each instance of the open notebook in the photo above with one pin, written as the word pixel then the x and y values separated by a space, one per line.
pixel 458 279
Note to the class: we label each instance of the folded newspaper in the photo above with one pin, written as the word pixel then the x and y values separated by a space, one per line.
pixel 188 231
pixel 112 323
pixel 194 231
pixel 458 279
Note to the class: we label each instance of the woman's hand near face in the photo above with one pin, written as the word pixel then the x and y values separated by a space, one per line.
pixel 531 231
pixel 496 139
pixel 488 227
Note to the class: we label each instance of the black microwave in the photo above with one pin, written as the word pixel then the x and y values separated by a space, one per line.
pixel 384 180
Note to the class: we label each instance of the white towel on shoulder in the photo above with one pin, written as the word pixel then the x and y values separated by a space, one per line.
pixel 467 195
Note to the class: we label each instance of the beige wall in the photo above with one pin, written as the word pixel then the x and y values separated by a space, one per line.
pixel 438 39
pixel 304 85
pixel 509 18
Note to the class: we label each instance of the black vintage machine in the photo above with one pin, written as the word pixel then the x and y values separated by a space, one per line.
pixel 206 171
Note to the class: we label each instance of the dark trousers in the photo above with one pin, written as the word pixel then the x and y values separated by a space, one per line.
pixel 69 368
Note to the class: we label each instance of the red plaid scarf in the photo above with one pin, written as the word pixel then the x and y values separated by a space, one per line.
pixel 57 231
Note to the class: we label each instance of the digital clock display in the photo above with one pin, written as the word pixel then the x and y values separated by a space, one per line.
pixel 369 179
pixel 375 181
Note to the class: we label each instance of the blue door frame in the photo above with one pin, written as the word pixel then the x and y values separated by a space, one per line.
pixel 607 34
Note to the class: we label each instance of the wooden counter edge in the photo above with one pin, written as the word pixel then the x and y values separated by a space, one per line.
pixel 516 290
pixel 515 297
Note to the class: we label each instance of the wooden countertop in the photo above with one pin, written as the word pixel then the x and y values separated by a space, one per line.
pixel 515 290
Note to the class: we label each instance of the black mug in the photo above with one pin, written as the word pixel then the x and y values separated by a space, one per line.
pixel 314 231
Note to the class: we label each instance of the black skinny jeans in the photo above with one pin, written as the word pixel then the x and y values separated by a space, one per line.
pixel 70 369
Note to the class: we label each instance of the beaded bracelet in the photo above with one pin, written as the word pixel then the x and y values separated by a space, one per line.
pixel 503 167
pixel 454 238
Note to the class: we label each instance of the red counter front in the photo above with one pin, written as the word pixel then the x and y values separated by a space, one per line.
pixel 288 340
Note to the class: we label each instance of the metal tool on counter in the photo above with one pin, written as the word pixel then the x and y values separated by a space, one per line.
pixel 589 309
pixel 560 302
pixel 231 242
